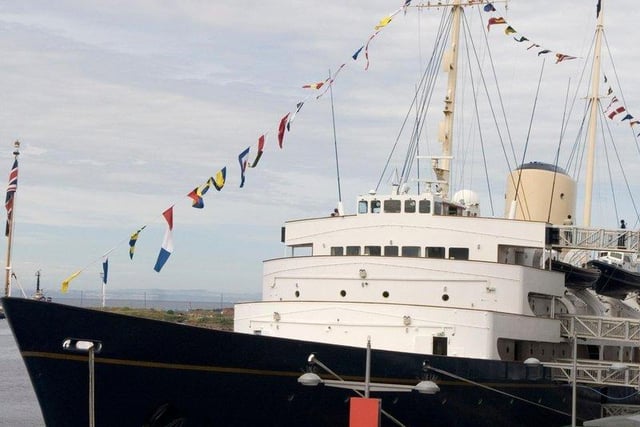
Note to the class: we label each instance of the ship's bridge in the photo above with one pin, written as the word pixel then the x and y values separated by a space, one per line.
pixel 423 204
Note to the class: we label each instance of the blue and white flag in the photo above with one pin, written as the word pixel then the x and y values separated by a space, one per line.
pixel 167 243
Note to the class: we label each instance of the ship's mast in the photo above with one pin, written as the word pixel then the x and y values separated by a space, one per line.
pixel 7 283
pixel 442 164
pixel 594 99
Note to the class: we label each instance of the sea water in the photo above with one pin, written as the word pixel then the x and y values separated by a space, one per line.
pixel 18 403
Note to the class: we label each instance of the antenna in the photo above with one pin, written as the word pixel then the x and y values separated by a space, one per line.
pixel 335 145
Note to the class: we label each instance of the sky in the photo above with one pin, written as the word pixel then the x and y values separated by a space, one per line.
pixel 122 108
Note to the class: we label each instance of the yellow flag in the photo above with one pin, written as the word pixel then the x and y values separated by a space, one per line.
pixel 384 22
pixel 65 283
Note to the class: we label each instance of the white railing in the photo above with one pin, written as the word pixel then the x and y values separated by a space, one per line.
pixel 621 330
pixel 596 372
pixel 598 239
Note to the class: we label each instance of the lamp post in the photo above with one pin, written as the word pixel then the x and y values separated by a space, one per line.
pixel 358 387
pixel 88 347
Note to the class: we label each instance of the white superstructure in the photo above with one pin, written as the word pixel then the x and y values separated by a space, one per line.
pixel 415 274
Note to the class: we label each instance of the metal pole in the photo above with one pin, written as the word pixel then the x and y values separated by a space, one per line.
pixel 574 370
pixel 367 374
pixel 92 416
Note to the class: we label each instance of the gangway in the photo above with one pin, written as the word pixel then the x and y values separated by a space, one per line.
pixel 596 239
pixel 599 331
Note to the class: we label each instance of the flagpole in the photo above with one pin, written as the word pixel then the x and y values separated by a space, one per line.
pixel 7 283
pixel 335 145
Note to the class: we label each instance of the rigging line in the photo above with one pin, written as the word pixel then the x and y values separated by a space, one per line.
pixel 526 143
pixel 574 151
pixel 335 140
pixel 427 96
pixel 606 155
pixel 615 73
pixel 624 176
pixel 427 90
pixel 414 101
pixel 480 136
pixel 513 396
pixel 577 143
pixel 491 109
pixel 557 159
pixel 495 78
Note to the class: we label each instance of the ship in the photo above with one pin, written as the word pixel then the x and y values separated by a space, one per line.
pixel 441 315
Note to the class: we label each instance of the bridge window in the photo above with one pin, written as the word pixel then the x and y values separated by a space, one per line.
pixel 411 251
pixel 459 253
pixel 434 252
pixel 375 206
pixel 424 206
pixel 363 207
pixel 390 251
pixel 372 250
pixel 353 250
pixel 409 206
pixel 392 206
pixel 337 250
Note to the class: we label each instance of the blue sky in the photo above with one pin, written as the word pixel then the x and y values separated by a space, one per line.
pixel 123 107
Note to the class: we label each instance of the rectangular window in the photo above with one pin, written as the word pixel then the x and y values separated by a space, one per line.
pixel 353 250
pixel 459 253
pixel 434 252
pixel 452 210
pixel 437 208
pixel 375 206
pixel 363 207
pixel 424 206
pixel 411 251
pixel 409 206
pixel 390 251
pixel 392 206
pixel 372 250
pixel 337 250
pixel 440 346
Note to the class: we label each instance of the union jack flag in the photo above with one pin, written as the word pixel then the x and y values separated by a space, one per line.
pixel 11 192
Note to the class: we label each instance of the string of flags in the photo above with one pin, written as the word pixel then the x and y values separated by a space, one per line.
pixel 616 110
pixel 250 156
pixel 521 38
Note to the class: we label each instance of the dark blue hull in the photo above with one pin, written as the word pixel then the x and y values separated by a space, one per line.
pixel 152 373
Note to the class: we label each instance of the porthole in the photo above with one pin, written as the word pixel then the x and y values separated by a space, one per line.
pixel 445 297
pixel 297 294
pixel 343 293
pixel 385 294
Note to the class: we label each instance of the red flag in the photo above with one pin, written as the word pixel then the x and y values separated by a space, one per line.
pixel 313 85
pixel 281 128
pixel 256 153
pixel 494 21
pixel 616 112
pixel 562 57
